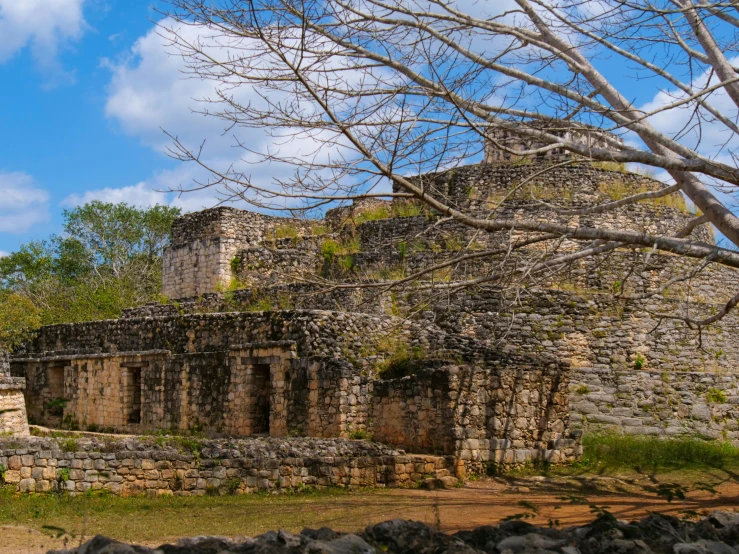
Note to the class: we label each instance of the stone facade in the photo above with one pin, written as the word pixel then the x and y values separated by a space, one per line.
pixel 664 404
pixel 199 257
pixel 589 137
pixel 306 373
pixel 187 467
pixel 509 417
pixel 13 420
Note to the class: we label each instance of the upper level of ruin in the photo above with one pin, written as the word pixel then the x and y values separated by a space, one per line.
pixel 513 144
pixel 226 248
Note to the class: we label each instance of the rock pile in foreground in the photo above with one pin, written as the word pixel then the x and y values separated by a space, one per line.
pixel 716 534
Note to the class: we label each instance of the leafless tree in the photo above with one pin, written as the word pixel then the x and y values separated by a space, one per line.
pixel 390 89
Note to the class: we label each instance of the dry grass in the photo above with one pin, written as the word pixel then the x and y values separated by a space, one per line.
pixel 618 190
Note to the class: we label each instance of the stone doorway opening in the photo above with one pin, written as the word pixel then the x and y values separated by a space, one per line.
pixel 56 382
pixel 132 395
pixel 262 398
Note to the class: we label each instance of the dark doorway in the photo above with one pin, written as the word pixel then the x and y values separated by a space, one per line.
pixel 133 395
pixel 56 382
pixel 262 398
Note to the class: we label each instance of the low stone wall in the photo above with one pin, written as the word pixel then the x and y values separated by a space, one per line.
pixel 666 404
pixel 196 467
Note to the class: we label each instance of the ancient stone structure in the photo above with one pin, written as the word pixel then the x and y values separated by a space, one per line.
pixel 250 343
pixel 195 467
pixel 13 421
pixel 298 373
pixel 504 145
pixel 657 403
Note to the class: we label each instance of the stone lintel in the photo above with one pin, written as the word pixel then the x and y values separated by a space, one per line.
pixel 12 383
pixel 70 357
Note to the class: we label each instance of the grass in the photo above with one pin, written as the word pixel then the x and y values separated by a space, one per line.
pixel 647 453
pixel 143 519
pixel 398 208
pixel 618 190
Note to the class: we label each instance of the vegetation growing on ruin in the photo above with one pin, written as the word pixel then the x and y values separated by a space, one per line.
pixel 107 258
pixel 398 208
pixel 618 190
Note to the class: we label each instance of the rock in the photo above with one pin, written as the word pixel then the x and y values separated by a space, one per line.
pixel 528 543
pixel 704 547
pixel 605 535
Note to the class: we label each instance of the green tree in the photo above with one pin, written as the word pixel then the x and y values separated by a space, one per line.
pixel 18 318
pixel 108 258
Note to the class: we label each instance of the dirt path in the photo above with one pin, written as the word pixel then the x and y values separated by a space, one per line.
pixel 538 500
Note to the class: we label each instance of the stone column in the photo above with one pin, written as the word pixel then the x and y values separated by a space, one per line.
pixel 13 419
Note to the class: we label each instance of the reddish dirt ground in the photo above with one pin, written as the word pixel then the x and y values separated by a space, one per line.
pixel 562 501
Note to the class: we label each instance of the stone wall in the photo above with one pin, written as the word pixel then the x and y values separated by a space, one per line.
pixel 588 137
pixel 203 245
pixel 197 467
pixel 13 420
pixel 588 327
pixel 511 415
pixel 665 404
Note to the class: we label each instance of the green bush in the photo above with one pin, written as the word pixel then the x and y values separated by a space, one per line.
pixel 616 451
pixel 360 435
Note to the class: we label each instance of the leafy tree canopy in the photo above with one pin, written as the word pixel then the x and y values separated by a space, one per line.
pixel 108 258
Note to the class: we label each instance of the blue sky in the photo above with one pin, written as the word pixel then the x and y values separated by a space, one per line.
pixel 60 138
pixel 86 87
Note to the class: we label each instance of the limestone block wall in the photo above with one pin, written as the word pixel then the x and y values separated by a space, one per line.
pixel 508 415
pixel 198 467
pixel 203 244
pixel 335 395
pixel 592 138
pixel 13 420
pixel 663 404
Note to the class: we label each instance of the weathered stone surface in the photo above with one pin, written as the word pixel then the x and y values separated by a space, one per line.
pixel 13 420
pixel 667 403
pixel 188 466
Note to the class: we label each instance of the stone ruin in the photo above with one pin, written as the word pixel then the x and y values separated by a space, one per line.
pixel 13 420
pixel 253 343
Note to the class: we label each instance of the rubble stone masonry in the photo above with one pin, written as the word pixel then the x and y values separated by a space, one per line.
pixel 187 466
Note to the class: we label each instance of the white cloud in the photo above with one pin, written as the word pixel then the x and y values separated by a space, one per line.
pixel 3 253
pixel 149 91
pixel 23 203
pixel 42 25
pixel 141 194
pixel 710 137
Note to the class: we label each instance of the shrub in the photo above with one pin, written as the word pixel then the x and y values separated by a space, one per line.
pixel 716 396
pixel 639 361
pixel 233 485
pixel 582 389
pixel 63 474
pixel 69 445
pixel 286 231
pixel 56 406
pixel 360 435
pixel 329 249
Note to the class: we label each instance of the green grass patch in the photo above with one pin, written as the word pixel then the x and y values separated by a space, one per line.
pixel 648 453
pixel 142 519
